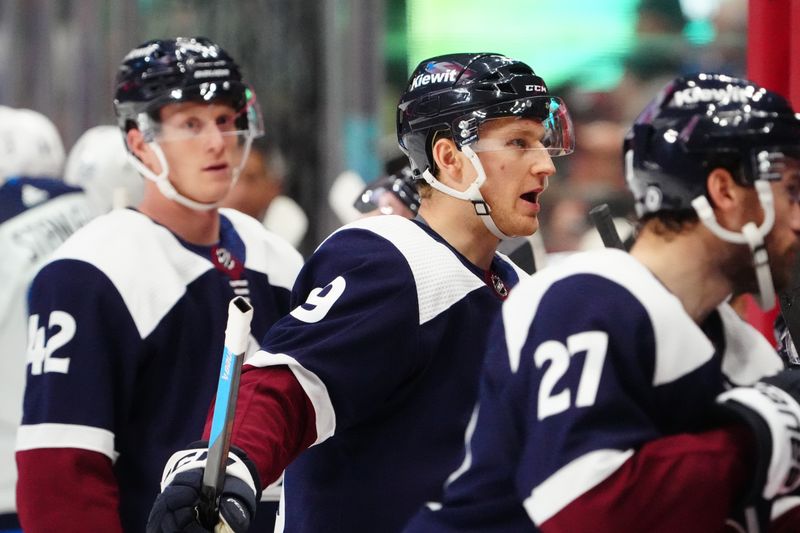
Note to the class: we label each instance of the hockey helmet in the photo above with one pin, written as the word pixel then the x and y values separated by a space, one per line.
pixel 98 164
pixel 456 93
pixel 704 121
pixel 400 184
pixel 172 71
pixel 30 145
pixel 161 72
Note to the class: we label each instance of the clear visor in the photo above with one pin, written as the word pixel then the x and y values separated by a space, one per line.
pixel 212 125
pixel 539 123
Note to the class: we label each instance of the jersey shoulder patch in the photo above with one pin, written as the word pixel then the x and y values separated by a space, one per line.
pixel 266 251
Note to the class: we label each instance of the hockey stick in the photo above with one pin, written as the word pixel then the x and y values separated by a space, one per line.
pixel 237 333
pixel 601 216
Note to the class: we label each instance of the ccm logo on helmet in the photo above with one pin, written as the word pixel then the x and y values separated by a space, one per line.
pixel 694 95
pixel 439 77
pixel 536 88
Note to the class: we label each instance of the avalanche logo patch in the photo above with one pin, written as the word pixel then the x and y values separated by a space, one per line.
pixel 226 262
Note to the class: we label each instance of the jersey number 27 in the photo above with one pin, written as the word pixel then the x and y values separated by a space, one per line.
pixel 594 344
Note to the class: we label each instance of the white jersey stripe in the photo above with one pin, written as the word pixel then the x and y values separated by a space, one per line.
pixel 571 481
pixel 314 388
pixel 39 436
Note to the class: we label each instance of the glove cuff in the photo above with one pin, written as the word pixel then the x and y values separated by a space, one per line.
pixel 195 456
pixel 774 417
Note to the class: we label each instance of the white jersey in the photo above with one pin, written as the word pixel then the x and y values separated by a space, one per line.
pixel 36 216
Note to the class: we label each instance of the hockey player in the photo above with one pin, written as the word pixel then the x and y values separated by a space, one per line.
pixel 37 213
pixel 621 392
pixel 127 319
pixel 393 194
pixel 376 368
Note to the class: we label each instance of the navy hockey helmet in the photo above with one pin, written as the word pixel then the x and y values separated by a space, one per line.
pixel 400 184
pixel 701 122
pixel 165 71
pixel 456 93
pixel 170 71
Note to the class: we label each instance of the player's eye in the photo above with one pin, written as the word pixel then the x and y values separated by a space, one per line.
pixel 226 122
pixel 192 125
pixel 793 192
pixel 518 143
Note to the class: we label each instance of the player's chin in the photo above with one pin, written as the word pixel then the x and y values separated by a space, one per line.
pixel 213 195
pixel 523 226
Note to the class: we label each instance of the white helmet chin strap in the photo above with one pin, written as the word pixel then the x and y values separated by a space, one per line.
pixel 165 186
pixel 751 235
pixel 471 194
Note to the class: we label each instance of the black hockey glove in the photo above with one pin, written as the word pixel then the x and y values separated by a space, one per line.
pixel 175 509
pixel 771 408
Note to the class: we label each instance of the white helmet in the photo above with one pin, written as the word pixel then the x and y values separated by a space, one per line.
pixel 30 145
pixel 98 163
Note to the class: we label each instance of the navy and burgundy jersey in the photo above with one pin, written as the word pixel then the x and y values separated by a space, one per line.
pixel 36 216
pixel 386 337
pixel 596 410
pixel 126 331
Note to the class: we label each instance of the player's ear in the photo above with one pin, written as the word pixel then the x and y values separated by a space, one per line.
pixel 733 203
pixel 723 191
pixel 139 147
pixel 136 143
pixel 448 159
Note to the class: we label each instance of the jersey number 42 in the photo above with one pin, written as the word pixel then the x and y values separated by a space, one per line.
pixel 61 328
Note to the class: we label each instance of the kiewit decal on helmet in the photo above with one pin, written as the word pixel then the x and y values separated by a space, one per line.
pixel 453 95
pixel 700 122
pixel 169 71
pixel 705 121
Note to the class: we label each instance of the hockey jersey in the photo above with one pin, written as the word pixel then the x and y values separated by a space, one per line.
pixel 387 335
pixel 36 216
pixel 597 382
pixel 127 326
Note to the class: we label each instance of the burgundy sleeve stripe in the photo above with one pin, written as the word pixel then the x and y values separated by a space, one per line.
pixel 314 388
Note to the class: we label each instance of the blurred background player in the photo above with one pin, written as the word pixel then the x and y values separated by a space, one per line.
pixel 37 212
pixel 621 392
pixel 395 194
pixel 259 193
pixel 127 318
pixel 99 164
pixel 377 365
